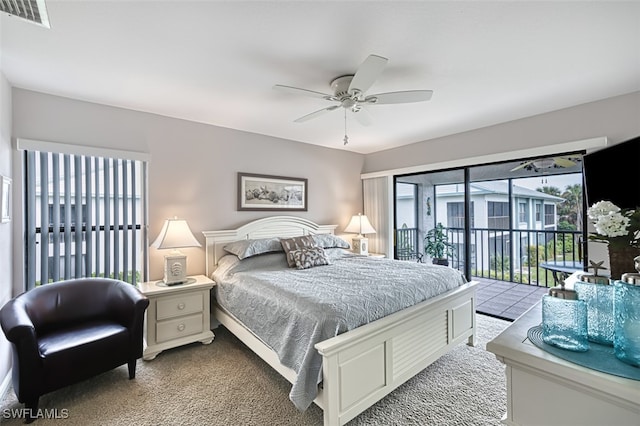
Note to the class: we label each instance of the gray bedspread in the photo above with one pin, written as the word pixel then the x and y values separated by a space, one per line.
pixel 291 310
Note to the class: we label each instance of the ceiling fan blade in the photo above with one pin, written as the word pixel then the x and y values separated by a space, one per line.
pixel 522 166
pixel 400 97
pixel 315 114
pixel 564 162
pixel 363 117
pixel 304 92
pixel 367 73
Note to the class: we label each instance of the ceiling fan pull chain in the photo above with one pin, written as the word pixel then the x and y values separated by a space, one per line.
pixel 346 138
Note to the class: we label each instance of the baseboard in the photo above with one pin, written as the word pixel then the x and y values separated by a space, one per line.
pixel 4 386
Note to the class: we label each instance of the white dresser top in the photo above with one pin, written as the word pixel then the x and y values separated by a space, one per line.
pixel 513 345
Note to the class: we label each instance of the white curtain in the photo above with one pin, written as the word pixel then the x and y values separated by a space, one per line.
pixel 378 206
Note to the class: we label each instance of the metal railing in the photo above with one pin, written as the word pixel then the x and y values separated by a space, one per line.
pixel 407 244
pixel 511 255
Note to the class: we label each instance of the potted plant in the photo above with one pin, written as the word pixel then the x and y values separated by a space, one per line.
pixel 437 246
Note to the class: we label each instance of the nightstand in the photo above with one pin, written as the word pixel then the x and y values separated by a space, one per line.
pixel 176 315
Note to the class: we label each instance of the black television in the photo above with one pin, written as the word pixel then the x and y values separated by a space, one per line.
pixel 613 174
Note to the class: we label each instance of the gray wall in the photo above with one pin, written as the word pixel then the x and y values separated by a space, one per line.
pixel 6 240
pixel 193 167
pixel 617 118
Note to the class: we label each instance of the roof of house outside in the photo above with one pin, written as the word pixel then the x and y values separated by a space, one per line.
pixel 500 187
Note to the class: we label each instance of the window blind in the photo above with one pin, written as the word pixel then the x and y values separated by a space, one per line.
pixel 85 217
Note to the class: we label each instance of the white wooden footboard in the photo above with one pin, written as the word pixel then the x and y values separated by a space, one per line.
pixel 362 366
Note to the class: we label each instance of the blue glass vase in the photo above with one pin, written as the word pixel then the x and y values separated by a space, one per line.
pixel 626 342
pixel 564 323
pixel 598 295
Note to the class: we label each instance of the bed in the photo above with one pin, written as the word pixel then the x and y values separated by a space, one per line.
pixel 359 364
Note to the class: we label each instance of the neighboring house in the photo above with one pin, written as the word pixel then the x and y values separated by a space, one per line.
pixel 491 223
pixel 490 218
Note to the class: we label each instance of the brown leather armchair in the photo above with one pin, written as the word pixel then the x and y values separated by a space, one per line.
pixel 65 332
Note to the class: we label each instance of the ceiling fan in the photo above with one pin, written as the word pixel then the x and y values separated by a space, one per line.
pixel 547 163
pixel 349 92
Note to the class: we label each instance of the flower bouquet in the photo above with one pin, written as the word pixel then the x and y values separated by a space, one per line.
pixel 620 230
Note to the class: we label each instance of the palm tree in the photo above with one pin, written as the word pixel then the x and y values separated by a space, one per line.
pixel 572 204
pixel 551 190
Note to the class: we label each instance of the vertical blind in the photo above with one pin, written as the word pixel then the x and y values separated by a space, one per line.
pixel 85 217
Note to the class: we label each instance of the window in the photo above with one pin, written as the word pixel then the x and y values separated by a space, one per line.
pixel 84 217
pixel 538 212
pixel 455 215
pixel 549 214
pixel 498 215
pixel 522 212
pixel 62 208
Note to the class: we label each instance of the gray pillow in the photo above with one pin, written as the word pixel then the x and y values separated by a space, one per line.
pixel 330 241
pixel 248 248
pixel 308 257
pixel 295 243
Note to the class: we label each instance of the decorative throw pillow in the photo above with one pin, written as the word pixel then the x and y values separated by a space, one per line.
pixel 291 244
pixel 330 241
pixel 308 257
pixel 248 248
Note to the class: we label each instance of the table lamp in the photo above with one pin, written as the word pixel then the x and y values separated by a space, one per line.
pixel 360 225
pixel 175 234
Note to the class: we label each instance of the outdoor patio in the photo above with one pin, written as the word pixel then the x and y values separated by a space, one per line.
pixel 506 300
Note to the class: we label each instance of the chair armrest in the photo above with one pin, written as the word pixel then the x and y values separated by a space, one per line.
pixel 129 305
pixel 16 323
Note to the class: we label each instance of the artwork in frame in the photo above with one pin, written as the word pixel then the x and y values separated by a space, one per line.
pixel 269 193
pixel 5 199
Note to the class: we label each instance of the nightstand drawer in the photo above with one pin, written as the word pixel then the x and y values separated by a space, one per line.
pixel 180 327
pixel 171 307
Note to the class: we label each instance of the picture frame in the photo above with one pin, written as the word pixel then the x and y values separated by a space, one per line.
pixel 271 193
pixel 5 199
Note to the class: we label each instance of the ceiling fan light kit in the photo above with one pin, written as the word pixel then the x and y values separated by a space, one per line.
pixel 547 163
pixel 349 92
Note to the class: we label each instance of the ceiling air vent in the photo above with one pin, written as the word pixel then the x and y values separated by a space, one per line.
pixel 33 11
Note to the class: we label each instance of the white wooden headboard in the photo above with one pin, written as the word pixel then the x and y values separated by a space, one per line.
pixel 273 226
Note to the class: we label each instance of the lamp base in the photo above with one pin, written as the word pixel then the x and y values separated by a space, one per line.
pixel 175 269
pixel 161 283
pixel 360 245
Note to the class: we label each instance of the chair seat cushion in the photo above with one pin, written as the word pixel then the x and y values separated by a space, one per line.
pixel 80 351
pixel 75 336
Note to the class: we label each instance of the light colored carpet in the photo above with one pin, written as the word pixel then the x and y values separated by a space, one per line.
pixel 224 383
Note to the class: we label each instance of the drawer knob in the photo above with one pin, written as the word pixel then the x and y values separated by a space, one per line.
pixel 181 306
pixel 181 327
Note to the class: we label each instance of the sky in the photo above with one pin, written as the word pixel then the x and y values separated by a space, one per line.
pixel 559 181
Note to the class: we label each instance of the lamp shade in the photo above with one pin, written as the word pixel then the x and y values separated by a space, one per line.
pixel 175 234
pixel 360 225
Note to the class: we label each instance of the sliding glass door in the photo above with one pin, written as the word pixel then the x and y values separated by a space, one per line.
pixel 513 221
pixel 438 232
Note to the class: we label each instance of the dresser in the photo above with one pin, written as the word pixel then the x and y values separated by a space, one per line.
pixel 543 389
pixel 177 315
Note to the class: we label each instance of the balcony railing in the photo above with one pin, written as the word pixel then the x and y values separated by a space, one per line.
pixel 503 254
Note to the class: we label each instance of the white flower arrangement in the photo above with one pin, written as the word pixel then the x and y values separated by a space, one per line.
pixel 614 224
pixel 608 220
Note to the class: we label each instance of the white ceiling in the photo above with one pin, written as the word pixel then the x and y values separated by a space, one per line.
pixel 216 62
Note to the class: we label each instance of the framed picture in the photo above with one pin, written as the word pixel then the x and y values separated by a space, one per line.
pixel 5 199
pixel 267 193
